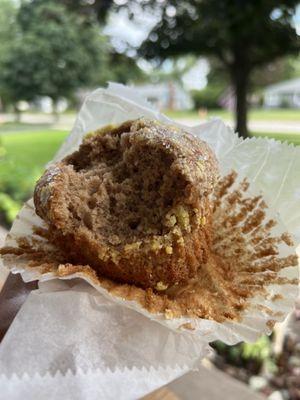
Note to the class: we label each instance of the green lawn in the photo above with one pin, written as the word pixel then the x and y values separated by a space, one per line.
pixel 288 137
pixel 32 149
pixel 23 156
pixel 255 114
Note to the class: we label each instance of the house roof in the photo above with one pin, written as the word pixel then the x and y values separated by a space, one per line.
pixel 290 86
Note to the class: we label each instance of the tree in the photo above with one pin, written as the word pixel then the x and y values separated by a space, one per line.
pixel 90 9
pixel 279 70
pixel 294 64
pixel 242 35
pixel 123 69
pixel 97 8
pixel 55 53
pixel 8 31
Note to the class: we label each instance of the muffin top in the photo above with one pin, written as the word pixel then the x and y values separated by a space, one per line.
pixel 133 202
pixel 142 168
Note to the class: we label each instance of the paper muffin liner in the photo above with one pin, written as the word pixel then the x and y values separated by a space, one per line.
pixel 272 169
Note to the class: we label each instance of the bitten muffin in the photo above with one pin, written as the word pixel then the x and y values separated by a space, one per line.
pixel 133 203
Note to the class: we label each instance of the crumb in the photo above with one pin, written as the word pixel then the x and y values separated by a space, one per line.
pixel 124 200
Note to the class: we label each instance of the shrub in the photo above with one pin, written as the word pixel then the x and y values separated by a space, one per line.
pixel 250 356
pixel 8 209
pixel 208 97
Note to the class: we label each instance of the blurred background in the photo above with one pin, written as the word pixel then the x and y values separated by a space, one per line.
pixel 192 59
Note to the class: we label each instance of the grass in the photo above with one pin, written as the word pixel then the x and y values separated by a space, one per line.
pixel 288 137
pixel 23 156
pixel 254 114
pixel 32 149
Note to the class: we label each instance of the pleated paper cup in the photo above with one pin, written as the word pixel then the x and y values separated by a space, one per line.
pixel 256 224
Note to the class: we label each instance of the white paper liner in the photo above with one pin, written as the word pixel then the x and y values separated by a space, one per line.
pixel 254 322
pixel 270 166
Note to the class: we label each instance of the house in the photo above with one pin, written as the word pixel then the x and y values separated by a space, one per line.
pixel 166 95
pixel 283 94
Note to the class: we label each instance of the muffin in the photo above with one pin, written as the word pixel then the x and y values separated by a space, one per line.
pixel 133 203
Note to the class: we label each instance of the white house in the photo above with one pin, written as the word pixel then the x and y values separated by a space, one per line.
pixel 283 94
pixel 166 95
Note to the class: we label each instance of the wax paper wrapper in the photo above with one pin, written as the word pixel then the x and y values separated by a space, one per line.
pixel 69 341
pixel 271 168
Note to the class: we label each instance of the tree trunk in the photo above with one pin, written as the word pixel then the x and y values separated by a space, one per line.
pixel 17 113
pixel 55 112
pixel 240 80
pixel 171 100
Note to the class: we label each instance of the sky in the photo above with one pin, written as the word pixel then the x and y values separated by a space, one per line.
pixel 124 31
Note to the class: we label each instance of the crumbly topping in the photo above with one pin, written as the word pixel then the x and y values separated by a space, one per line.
pixel 122 201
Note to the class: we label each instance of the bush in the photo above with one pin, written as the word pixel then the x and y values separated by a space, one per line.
pixel 8 209
pixel 16 184
pixel 18 181
pixel 250 356
pixel 208 97
pixel 285 103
